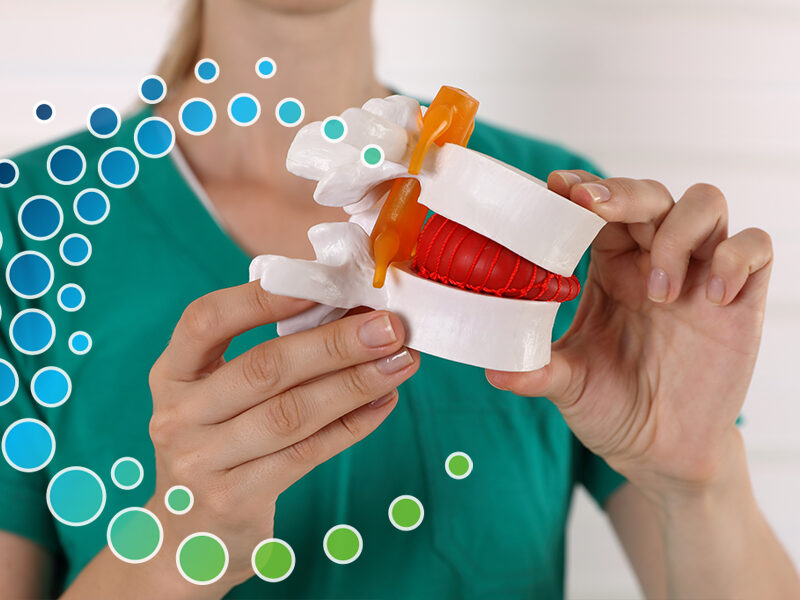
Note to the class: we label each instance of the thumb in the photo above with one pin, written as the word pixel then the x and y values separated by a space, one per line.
pixel 556 381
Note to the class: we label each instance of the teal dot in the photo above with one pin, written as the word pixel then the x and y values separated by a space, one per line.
pixel 135 535
pixel 76 496
pixel 289 112
pixel 334 129
pixel 127 473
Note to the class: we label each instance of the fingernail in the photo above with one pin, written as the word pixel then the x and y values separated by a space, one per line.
pixel 715 291
pixel 569 178
pixel 383 399
pixel 395 362
pixel 377 332
pixel 658 285
pixel 599 193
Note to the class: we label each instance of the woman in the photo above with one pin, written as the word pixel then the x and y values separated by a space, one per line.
pixel 649 379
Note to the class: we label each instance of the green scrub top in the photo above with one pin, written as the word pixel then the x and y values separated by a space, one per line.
pixel 498 533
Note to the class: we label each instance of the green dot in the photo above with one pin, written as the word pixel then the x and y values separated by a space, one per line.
pixel 342 544
pixel 126 473
pixel 458 465
pixel 179 499
pixel 372 155
pixel 334 129
pixel 202 558
pixel 273 560
pixel 406 513
pixel 134 535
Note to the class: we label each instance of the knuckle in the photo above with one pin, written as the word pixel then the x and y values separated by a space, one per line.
pixel 155 377
pixel 262 300
pixel 727 256
pixel 335 344
pixel 198 318
pixel 162 428
pixel 183 467
pixel 354 425
pixel 657 185
pixel 261 367
pixel 306 451
pixel 357 382
pixel 707 191
pixel 623 187
pixel 283 414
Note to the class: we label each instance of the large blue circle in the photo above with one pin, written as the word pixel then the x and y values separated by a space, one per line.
pixel 40 217
pixel 31 331
pixel 51 386
pixel 75 249
pixel 76 496
pixel 152 89
pixel 28 445
pixel 29 274
pixel 66 164
pixel 9 381
pixel 91 206
pixel 103 121
pixel 8 172
pixel 118 167
pixel 244 109
pixel 197 116
pixel 154 137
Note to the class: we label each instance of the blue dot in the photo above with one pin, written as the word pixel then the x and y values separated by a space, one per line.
pixel 32 331
pixel 118 167
pixel 66 164
pixel 71 297
pixel 43 111
pixel 197 116
pixel 265 67
pixel 9 172
pixel 154 137
pixel 206 70
pixel 51 386
pixel 40 217
pixel 152 89
pixel 289 112
pixel 103 121
pixel 9 381
pixel 244 109
pixel 76 496
pixel 28 445
pixel 91 206
pixel 75 249
pixel 29 274
pixel 80 342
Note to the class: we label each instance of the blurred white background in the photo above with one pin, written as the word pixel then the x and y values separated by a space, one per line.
pixel 680 91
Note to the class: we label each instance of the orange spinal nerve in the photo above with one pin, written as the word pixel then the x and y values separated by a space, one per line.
pixel 450 118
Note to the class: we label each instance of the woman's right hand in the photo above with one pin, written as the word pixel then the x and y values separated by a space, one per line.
pixel 238 433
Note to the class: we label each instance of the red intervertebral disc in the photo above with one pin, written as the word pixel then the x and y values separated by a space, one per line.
pixel 453 254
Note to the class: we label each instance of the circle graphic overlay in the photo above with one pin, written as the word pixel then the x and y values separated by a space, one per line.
pixel 127 473
pixel 28 445
pixel 76 496
pixel 66 164
pixel 32 331
pixel 343 544
pixel 51 386
pixel 75 249
pixel 135 535
pixel 458 465
pixel 40 217
pixel 71 297
pixel 202 558
pixel 91 206
pixel 29 274
pixel 152 89
pixel 43 111
pixel 273 560
pixel 372 156
pixel 206 70
pixel 103 121
pixel 197 116
pixel 9 382
pixel 290 112
pixel 406 513
pixel 244 109
pixel 334 129
pixel 9 173
pixel 266 67
pixel 154 137
pixel 179 499
pixel 80 342
pixel 118 167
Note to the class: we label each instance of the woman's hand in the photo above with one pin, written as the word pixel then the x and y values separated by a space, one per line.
pixel 239 433
pixel 653 372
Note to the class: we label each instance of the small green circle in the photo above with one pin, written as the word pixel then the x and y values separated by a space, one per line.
pixel 406 512
pixel 342 544
pixel 459 465
pixel 134 535
pixel 202 558
pixel 273 560
pixel 334 129
pixel 179 499
pixel 126 473
pixel 372 156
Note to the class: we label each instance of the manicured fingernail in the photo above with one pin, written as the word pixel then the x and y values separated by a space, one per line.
pixel 377 332
pixel 715 291
pixel 658 285
pixel 599 193
pixel 569 178
pixel 395 362
pixel 383 399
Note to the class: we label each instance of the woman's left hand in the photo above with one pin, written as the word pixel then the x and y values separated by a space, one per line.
pixel 653 372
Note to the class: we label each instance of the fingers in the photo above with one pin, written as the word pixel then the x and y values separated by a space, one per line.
pixel 561 182
pixel 302 411
pixel 555 381
pixel 210 322
pixel 734 261
pixel 693 228
pixel 280 364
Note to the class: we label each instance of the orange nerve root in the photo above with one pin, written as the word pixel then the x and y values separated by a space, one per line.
pixel 449 119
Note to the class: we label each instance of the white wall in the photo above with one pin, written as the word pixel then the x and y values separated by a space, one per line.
pixel 680 91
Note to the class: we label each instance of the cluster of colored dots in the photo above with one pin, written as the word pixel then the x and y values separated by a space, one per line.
pixel 334 129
